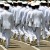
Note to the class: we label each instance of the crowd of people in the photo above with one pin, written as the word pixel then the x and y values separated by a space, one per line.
pixel 26 20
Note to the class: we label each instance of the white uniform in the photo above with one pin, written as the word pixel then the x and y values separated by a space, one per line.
pixel 17 15
pixel 7 25
pixel 47 19
pixel 37 17
pixel 43 8
pixel 28 18
pixel 20 18
pixel 10 8
pixel 21 14
pixel 24 16
pixel 15 11
pixel 24 23
pixel 28 26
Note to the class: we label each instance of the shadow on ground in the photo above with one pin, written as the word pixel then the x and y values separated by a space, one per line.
pixel 14 46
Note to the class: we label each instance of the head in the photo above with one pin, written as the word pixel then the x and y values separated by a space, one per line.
pixel 44 3
pixel 29 4
pixel 33 6
pixel 24 4
pixel 1 5
pixel 10 2
pixel 19 3
pixel 15 4
pixel 37 4
pixel 6 6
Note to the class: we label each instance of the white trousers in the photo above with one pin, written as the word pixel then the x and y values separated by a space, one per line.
pixel 7 35
pixel 38 34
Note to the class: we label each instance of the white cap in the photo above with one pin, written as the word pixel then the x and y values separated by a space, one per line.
pixel 6 5
pixel 32 1
pixel 24 2
pixel 43 1
pixel 19 1
pixel 2 3
pixel 33 4
pixel 9 1
pixel 29 2
pixel 38 1
pixel 48 1
pixel 15 2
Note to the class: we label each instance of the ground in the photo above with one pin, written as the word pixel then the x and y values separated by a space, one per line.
pixel 15 45
pixel 18 45
pixel 45 45
pixel 1 48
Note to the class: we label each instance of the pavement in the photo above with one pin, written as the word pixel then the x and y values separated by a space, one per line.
pixel 16 45
pixel 1 48
pixel 44 45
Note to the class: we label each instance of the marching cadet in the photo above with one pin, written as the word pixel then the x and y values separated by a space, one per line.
pixel 47 21
pixel 36 17
pixel 48 17
pixel 7 24
pixel 25 13
pixel 11 5
pixel 16 10
pixel 43 7
pixel 30 34
pixel 24 4
pixel 27 20
pixel 23 21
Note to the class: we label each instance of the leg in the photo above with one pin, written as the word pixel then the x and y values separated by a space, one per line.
pixel 38 33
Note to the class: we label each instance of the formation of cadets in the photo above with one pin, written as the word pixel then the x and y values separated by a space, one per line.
pixel 26 21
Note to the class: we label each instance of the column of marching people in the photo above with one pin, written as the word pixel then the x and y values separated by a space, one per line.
pixel 24 21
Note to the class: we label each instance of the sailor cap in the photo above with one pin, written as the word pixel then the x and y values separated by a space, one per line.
pixel 7 5
pixel 48 1
pixel 19 1
pixel 9 1
pixel 37 3
pixel 24 2
pixel 43 1
pixel 33 4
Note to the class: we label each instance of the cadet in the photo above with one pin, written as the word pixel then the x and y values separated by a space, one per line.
pixel 30 34
pixel 25 13
pixel 47 21
pixel 7 24
pixel 43 7
pixel 18 8
pixel 24 4
pixel 36 17
pixel 11 5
